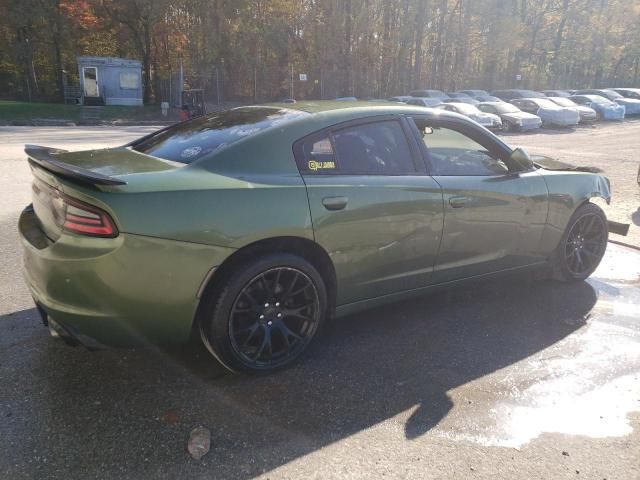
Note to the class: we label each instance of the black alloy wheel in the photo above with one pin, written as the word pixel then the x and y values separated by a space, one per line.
pixel 583 245
pixel 264 313
pixel 273 317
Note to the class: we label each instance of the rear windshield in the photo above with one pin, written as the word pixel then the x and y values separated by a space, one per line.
pixel 188 141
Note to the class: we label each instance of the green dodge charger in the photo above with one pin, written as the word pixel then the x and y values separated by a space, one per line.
pixel 252 227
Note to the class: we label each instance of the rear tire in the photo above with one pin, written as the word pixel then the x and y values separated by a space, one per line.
pixel 265 315
pixel 583 244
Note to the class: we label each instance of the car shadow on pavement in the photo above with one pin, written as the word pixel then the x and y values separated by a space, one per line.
pixel 104 413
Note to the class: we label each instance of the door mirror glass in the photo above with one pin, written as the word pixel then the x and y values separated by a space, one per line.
pixel 520 160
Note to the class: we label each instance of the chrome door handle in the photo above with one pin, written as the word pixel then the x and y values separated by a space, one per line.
pixel 335 203
pixel 458 202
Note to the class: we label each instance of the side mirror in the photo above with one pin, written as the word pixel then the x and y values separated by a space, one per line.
pixel 520 160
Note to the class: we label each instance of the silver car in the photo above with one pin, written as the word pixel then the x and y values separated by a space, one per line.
pixel 551 113
pixel 628 92
pixel 587 114
pixel 487 120
pixel 512 117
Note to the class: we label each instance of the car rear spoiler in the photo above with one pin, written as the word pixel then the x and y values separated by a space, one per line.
pixel 44 157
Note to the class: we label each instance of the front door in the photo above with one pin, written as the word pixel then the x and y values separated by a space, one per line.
pixel 90 81
pixel 374 209
pixel 494 218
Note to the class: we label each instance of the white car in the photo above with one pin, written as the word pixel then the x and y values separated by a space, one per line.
pixel 488 120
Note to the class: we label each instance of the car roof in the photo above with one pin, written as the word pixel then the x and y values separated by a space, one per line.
pixel 590 96
pixel 336 111
pixel 459 104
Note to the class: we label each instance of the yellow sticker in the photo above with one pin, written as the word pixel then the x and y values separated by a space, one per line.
pixel 313 165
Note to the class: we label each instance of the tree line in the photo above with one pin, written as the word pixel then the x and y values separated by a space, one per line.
pixel 257 49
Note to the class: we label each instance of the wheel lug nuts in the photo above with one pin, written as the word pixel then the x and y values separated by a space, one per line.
pixel 277 304
pixel 269 322
pixel 266 305
pixel 279 315
pixel 261 317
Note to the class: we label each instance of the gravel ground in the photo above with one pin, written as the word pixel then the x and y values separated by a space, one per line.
pixel 507 378
pixel 613 147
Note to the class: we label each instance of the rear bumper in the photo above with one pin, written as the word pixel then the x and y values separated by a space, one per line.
pixel 127 290
pixel 68 334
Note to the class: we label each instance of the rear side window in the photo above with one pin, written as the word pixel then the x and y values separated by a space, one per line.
pixel 188 141
pixel 378 148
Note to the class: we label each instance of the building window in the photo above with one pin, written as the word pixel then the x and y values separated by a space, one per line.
pixel 129 80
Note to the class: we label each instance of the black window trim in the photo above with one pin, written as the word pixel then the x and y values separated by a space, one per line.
pixel 414 149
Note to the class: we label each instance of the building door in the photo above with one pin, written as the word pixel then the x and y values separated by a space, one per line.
pixel 90 81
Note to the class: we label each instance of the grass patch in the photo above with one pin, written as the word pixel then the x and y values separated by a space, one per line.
pixel 25 111
pixel 11 111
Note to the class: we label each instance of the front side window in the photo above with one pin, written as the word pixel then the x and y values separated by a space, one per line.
pixel 452 153
pixel 486 108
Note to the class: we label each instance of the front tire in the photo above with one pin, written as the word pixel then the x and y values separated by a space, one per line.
pixel 265 315
pixel 583 244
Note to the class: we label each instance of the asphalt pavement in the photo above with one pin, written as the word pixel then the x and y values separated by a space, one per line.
pixel 508 378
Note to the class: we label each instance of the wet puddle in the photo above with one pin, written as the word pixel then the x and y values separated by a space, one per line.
pixel 587 384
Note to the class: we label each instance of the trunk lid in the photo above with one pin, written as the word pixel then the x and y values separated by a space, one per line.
pixel 55 171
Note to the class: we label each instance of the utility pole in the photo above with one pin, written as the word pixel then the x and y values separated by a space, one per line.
pixel 217 85
pixel 291 88
pixel 255 85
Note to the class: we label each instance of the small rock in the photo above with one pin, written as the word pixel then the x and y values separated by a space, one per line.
pixel 170 417
pixel 566 454
pixel 199 442
pixel 472 469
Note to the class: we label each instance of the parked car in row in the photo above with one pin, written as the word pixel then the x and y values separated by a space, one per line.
pixel 439 94
pixel 587 114
pixel 424 101
pixel 513 119
pixel 605 109
pixel 512 94
pixel 631 105
pixel 480 95
pixel 628 92
pixel 458 97
pixel 488 120
pixel 552 115
pixel 475 93
pixel 400 98
pixel 556 93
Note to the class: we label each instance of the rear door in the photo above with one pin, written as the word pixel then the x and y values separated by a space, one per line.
pixel 494 218
pixel 373 206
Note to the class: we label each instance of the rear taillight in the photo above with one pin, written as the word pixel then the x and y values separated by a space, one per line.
pixel 85 219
